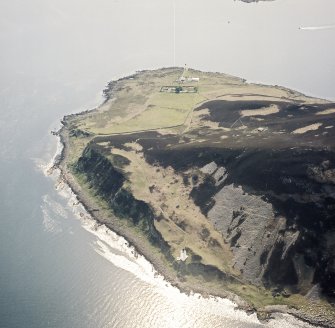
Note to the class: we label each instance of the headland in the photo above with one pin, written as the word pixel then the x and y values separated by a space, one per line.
pixel 227 187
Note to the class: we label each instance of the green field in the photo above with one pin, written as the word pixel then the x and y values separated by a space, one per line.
pixel 162 110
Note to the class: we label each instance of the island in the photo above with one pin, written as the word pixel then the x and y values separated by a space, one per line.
pixel 249 1
pixel 227 187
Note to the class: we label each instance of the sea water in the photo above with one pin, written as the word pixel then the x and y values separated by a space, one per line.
pixel 57 267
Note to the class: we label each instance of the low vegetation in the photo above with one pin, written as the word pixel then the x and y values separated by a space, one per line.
pixel 124 157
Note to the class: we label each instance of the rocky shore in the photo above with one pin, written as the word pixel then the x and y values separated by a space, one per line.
pixel 212 181
pixel 140 245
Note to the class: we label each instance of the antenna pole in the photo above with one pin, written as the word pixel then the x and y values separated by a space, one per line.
pixel 174 33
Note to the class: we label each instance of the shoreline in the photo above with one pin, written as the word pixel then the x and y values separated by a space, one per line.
pixel 138 245
pixel 141 246
pixel 263 315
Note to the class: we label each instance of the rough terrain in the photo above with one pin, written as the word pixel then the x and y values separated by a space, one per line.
pixel 241 176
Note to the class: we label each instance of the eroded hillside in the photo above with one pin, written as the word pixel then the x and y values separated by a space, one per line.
pixel 241 176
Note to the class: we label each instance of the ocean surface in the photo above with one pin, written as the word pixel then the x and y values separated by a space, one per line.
pixel 57 268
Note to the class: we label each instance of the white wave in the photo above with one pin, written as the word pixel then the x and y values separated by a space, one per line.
pixel 52 209
pixel 108 241
pixel 55 207
pixel 47 166
pixel 285 320
pixel 50 224
pixel 108 244
pixel 121 261
pixel 315 28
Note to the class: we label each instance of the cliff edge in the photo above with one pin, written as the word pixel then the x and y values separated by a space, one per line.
pixel 226 186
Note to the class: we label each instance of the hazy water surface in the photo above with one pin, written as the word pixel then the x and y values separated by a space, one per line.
pixel 56 57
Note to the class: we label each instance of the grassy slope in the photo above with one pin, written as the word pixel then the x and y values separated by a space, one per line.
pixel 140 106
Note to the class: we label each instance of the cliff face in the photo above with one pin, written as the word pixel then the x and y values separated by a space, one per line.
pixel 108 183
pixel 273 207
pixel 269 191
pixel 240 176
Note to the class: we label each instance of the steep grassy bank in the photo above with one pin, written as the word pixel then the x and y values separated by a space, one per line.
pixel 245 183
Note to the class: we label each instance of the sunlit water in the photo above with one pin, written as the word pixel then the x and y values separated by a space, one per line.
pixel 57 269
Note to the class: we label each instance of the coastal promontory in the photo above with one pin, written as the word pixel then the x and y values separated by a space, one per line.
pixel 227 187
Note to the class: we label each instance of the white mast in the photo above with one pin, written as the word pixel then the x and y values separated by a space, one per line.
pixel 174 33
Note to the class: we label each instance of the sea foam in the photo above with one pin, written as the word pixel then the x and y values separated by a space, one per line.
pixel 116 250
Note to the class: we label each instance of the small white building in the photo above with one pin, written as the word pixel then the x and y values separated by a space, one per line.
pixel 183 255
pixel 193 79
